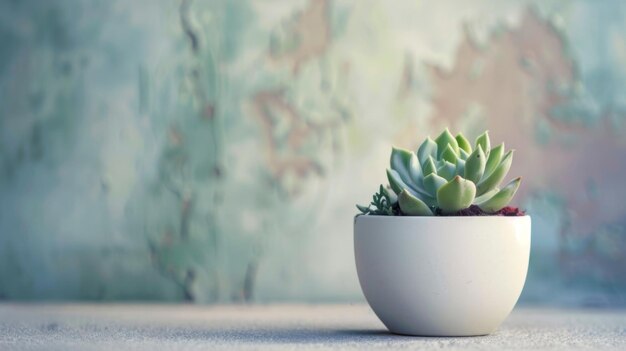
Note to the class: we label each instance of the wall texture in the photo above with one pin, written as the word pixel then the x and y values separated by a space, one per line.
pixel 213 151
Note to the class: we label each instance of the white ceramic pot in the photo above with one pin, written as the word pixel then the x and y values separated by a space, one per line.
pixel 442 276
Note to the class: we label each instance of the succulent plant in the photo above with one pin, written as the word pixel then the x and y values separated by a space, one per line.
pixel 445 176
pixel 384 202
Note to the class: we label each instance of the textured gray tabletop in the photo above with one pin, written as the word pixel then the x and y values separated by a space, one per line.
pixel 181 327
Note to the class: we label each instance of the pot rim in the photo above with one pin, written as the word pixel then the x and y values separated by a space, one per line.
pixel 441 218
pixel 485 216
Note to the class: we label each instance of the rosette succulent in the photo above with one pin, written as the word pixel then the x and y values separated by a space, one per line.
pixel 445 176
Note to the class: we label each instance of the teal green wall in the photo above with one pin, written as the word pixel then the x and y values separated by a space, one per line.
pixel 214 150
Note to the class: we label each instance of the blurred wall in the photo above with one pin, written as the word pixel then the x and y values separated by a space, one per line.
pixel 213 151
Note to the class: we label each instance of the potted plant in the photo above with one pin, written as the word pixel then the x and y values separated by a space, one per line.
pixel 439 252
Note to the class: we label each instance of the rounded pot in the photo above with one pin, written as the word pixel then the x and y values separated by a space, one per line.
pixel 442 276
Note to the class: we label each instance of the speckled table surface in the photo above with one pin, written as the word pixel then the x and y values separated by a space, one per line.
pixel 182 327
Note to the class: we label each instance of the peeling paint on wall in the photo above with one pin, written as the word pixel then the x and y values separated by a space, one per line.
pixel 213 151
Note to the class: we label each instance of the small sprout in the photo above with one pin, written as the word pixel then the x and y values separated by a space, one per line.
pixel 382 204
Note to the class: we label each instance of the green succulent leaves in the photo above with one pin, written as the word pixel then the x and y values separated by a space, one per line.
pixel 445 139
pixel 429 166
pixel 446 170
pixel 384 203
pixel 492 180
pixel 456 195
pixel 464 144
pixel 426 150
pixel 433 182
pixel 502 197
pixel 400 162
pixel 413 206
pixel 445 176
pixel 449 154
pixel 495 156
pixel 395 182
pixel 483 141
pixel 475 165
